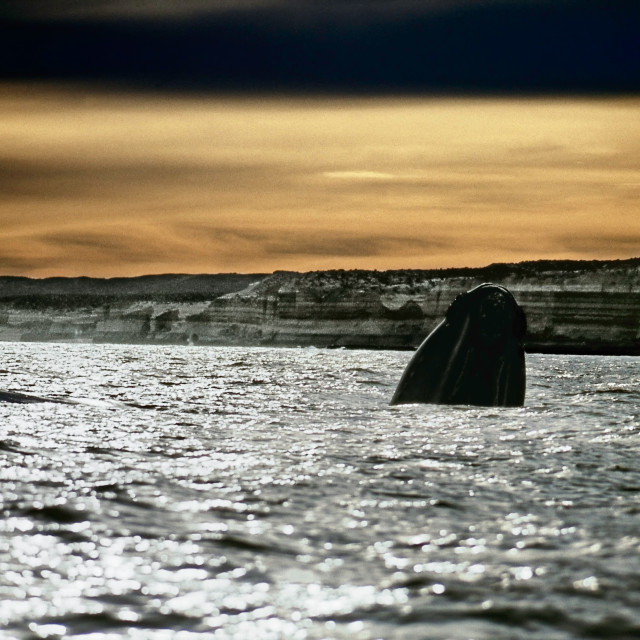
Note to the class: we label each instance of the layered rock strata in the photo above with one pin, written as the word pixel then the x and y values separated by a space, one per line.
pixel 571 307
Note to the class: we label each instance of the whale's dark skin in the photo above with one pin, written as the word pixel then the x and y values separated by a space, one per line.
pixel 24 398
pixel 17 397
pixel 474 356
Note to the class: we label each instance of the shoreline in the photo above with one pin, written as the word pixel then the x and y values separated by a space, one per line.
pixel 572 307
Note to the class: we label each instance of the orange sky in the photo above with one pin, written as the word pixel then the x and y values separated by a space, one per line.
pixel 105 184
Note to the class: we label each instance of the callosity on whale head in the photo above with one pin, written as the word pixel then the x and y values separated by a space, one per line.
pixel 474 356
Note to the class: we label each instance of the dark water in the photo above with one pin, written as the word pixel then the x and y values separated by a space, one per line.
pixel 272 493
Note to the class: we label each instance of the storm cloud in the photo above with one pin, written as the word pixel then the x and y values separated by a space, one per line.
pixel 254 135
pixel 352 46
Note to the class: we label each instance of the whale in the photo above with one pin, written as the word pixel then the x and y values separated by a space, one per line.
pixel 474 356
pixel 18 397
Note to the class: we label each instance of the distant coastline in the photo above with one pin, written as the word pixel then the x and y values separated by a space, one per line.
pixel 584 307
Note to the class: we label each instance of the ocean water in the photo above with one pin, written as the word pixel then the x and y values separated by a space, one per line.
pixel 258 493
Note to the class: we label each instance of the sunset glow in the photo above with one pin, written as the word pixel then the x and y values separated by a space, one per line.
pixel 111 184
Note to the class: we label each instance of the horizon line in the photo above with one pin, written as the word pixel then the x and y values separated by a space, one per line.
pixel 539 261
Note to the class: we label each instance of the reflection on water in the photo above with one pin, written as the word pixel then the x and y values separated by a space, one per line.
pixel 273 493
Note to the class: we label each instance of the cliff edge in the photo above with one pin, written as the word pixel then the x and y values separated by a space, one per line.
pixel 571 307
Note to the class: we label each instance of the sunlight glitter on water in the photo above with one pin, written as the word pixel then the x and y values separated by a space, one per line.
pixel 280 497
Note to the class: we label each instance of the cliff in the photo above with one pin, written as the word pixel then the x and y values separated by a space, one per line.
pixel 571 307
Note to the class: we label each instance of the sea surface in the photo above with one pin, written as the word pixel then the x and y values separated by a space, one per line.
pixel 256 493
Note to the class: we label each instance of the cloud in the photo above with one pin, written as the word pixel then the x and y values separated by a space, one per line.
pixel 134 246
pixel 170 9
pixel 276 243
pixel 17 261
pixel 604 244
pixel 109 184
pixel 81 249
pixel 110 9
pixel 344 46
pixel 57 178
pixel 361 175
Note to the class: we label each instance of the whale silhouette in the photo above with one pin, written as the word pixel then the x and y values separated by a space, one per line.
pixel 474 356
pixel 17 397
pixel 25 398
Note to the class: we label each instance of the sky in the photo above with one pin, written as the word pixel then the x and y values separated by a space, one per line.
pixel 251 136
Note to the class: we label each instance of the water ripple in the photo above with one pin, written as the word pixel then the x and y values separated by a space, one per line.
pixel 272 493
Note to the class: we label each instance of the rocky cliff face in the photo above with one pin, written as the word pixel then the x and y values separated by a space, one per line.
pixel 573 307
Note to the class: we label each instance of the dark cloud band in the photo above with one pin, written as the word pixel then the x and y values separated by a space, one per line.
pixel 446 46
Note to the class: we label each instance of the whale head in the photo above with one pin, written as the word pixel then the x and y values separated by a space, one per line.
pixel 474 356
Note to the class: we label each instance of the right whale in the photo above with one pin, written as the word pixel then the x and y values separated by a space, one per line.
pixel 474 356
pixel 17 397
